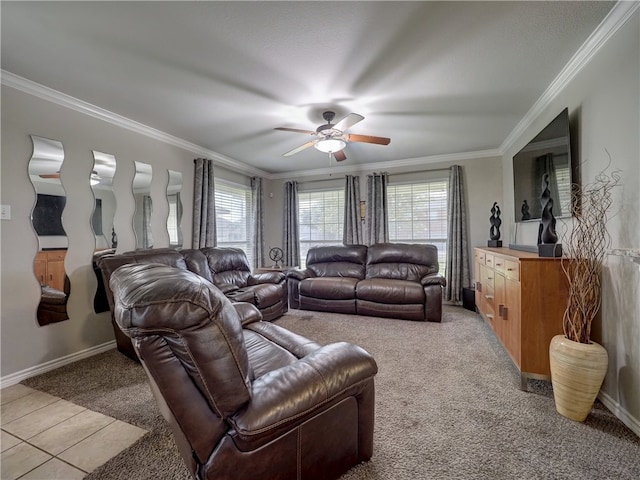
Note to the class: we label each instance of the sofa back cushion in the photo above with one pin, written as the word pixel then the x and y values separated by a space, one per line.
pixel 228 266
pixel 401 261
pixel 196 321
pixel 338 261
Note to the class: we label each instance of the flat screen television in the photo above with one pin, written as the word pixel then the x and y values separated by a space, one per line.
pixel 548 153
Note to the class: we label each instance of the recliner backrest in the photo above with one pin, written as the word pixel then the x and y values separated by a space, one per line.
pixel 228 265
pixel 338 261
pixel 196 320
pixel 401 261
pixel 108 263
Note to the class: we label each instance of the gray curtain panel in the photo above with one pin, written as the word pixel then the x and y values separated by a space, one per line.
pixel 457 270
pixel 352 232
pixel 291 246
pixel 257 197
pixel 377 217
pixel 147 209
pixel 204 205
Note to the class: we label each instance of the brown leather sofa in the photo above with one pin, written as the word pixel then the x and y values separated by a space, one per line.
pixel 395 280
pixel 227 268
pixel 245 399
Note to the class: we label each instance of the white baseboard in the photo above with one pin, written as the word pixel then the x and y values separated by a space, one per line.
pixel 617 409
pixel 17 377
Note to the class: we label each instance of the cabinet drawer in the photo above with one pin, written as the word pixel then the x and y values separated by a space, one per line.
pixel 488 260
pixel 55 255
pixel 487 278
pixel 499 264
pixel 512 270
pixel 479 257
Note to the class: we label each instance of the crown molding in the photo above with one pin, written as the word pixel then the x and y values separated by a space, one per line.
pixel 32 88
pixel 390 165
pixel 615 19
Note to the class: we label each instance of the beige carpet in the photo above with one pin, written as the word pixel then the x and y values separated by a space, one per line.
pixel 448 406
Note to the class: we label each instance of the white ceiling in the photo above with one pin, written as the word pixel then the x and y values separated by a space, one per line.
pixel 436 77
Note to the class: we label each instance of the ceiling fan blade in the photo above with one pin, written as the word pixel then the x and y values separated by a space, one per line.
pixel 300 148
pixel 348 122
pixel 339 156
pixel 368 139
pixel 296 130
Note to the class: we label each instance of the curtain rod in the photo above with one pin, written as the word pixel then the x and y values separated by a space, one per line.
pixel 341 177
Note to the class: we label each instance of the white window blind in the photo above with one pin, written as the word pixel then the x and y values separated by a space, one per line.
pixel 321 219
pixel 418 214
pixel 234 217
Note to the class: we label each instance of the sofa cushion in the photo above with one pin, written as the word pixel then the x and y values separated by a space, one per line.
pixel 401 261
pixel 338 261
pixel 228 265
pixel 330 288
pixel 384 290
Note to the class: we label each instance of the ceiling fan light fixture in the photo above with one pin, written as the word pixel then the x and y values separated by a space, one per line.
pixel 330 145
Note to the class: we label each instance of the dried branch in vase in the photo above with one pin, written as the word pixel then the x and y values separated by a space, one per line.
pixel 585 250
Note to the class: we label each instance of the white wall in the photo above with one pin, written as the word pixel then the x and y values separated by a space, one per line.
pixel 604 108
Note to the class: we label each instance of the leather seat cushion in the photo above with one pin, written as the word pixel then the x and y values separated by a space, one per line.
pixel 265 356
pixel 329 288
pixel 390 291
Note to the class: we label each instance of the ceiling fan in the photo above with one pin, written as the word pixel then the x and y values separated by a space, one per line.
pixel 331 138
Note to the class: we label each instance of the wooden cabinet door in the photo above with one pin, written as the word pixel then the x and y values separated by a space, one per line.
pixel 40 268
pixel 511 320
pixel 55 274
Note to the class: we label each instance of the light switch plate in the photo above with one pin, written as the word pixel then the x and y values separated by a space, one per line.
pixel 5 212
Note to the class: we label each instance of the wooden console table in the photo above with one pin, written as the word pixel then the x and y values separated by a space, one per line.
pixel 523 298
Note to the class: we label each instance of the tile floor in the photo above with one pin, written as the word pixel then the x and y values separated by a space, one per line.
pixel 45 437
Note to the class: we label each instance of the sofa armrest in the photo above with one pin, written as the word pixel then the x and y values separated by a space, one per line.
pixel 433 279
pixel 266 277
pixel 247 312
pixel 301 389
pixel 300 274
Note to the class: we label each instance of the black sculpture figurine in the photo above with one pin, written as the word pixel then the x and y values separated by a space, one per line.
pixel 525 211
pixel 494 231
pixel 547 236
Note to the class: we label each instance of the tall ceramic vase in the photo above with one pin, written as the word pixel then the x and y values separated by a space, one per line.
pixel 577 373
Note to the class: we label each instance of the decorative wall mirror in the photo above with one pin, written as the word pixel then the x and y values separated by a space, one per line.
pixel 144 206
pixel 101 181
pixel 174 186
pixel 46 217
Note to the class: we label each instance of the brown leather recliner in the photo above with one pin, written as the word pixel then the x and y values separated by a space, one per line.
pixel 227 268
pixel 245 399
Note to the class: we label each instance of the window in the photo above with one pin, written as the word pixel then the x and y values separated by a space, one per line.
pixel 321 219
pixel 418 214
pixel 173 222
pixel 234 217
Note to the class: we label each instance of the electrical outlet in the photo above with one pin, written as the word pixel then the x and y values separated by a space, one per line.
pixel 5 212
